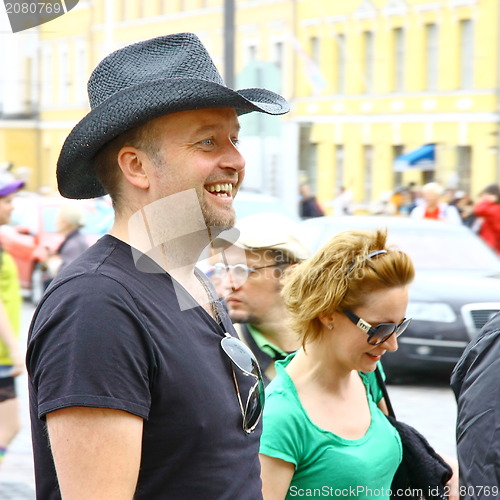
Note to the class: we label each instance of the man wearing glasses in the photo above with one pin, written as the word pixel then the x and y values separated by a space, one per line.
pixel 271 244
pixel 139 387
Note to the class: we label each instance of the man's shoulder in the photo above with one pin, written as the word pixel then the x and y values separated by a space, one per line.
pixel 107 257
pixel 478 362
pixel 107 269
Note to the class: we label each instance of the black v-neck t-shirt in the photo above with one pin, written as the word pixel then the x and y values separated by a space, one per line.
pixel 109 335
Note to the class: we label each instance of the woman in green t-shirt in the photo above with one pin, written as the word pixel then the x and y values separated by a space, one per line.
pixel 324 431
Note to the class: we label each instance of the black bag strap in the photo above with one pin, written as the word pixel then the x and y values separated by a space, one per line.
pixel 382 386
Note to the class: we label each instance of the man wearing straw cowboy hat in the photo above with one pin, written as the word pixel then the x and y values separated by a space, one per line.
pixel 138 386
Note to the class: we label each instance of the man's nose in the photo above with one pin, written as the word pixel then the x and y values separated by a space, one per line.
pixel 229 283
pixel 233 159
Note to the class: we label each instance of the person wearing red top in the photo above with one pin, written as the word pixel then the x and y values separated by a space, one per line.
pixel 432 207
pixel 488 208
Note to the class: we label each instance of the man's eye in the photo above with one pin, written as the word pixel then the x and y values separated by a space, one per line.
pixel 207 142
pixel 236 142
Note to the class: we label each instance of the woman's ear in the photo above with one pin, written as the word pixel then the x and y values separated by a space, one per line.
pixel 131 162
pixel 327 320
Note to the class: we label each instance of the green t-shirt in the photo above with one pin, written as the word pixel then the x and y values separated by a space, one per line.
pixel 328 465
pixel 264 344
pixel 10 295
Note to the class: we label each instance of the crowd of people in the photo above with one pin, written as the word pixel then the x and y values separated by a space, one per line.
pixel 139 384
pixel 431 201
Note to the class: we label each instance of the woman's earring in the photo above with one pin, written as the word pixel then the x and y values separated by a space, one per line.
pixel 330 326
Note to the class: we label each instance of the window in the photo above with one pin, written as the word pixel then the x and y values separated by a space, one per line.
pixel 251 53
pixel 369 60
pixel 340 52
pixel 431 56
pixel 81 76
pixel 399 59
pixel 64 80
pixel 314 47
pixel 47 76
pixel 339 165
pixel 277 58
pixel 466 54
pixel 311 166
pixel 464 163
pixel 397 151
pixel 307 156
pixel 278 55
pixel 368 171
pixel 28 82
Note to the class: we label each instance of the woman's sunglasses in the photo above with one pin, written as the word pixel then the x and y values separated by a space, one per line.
pixel 380 333
pixel 242 357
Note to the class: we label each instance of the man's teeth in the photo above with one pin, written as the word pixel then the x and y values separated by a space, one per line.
pixel 221 189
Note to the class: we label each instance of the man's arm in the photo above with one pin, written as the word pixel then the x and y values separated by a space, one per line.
pixel 97 452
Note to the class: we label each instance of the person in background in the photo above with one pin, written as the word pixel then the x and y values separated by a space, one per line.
pixel 70 219
pixel 324 418
pixel 11 355
pixel 433 208
pixel 271 247
pixel 139 387
pixel 487 207
pixel 465 207
pixel 308 205
pixel 342 203
pixel 475 384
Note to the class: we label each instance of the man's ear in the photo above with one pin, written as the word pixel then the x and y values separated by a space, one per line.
pixel 131 162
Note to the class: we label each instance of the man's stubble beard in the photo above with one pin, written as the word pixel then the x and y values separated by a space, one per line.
pixel 212 219
pixel 247 317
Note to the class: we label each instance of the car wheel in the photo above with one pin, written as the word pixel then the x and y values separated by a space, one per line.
pixel 37 285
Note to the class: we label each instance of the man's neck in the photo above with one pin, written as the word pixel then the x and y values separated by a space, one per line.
pixel 178 257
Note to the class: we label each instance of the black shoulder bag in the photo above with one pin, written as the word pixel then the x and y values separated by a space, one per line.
pixel 422 472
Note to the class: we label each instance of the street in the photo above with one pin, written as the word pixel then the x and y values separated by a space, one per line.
pixel 429 408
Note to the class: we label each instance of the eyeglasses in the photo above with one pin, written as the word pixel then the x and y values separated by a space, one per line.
pixel 380 333
pixel 239 272
pixel 242 357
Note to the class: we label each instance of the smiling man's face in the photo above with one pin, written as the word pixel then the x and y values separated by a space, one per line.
pixel 198 150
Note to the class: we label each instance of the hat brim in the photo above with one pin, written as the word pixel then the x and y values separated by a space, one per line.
pixel 136 105
pixel 11 188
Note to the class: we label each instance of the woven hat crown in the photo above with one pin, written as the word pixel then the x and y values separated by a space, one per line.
pixel 141 82
pixel 182 56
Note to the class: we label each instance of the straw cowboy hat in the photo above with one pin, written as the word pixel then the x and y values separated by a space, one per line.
pixel 144 81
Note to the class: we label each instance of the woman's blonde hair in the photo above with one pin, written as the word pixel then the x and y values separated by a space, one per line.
pixel 340 276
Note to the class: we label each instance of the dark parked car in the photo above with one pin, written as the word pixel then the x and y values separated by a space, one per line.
pixel 455 292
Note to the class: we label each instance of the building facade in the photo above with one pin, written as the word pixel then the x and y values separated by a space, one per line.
pixel 368 80
pixel 391 76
